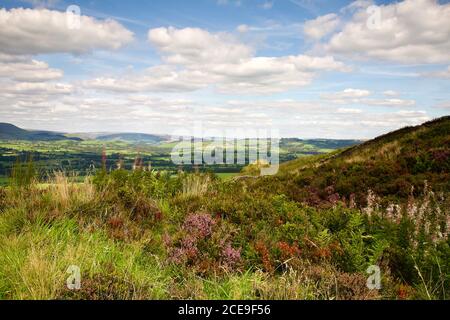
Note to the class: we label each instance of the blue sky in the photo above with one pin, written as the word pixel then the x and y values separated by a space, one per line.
pixel 307 68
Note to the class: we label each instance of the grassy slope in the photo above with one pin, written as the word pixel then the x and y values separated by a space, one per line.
pixel 390 165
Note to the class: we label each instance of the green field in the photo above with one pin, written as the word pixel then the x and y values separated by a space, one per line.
pixel 226 176
pixel 81 158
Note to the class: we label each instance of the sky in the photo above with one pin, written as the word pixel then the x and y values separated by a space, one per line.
pixel 304 68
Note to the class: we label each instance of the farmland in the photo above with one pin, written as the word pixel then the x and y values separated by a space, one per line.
pixel 82 157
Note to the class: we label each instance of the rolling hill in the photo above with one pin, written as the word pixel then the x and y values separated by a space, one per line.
pixel 133 137
pixel 11 132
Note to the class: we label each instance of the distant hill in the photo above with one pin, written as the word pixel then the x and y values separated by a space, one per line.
pixel 133 137
pixel 11 132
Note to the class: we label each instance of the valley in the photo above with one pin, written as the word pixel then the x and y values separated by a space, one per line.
pixel 80 155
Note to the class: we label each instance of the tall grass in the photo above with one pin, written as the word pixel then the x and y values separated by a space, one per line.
pixel 196 185
pixel 23 174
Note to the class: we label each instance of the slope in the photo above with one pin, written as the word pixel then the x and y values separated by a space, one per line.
pixel 394 165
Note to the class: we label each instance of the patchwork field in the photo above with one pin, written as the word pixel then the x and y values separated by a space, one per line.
pixel 81 158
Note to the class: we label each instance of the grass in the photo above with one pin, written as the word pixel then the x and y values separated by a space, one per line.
pixel 126 252
pixel 35 254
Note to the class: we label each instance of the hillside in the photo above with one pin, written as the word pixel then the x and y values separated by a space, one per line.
pixel 11 132
pixel 390 165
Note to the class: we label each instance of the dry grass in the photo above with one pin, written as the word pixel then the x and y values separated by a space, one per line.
pixel 65 192
pixel 196 185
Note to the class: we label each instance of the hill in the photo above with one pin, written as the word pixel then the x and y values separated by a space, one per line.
pixel 133 137
pixel 11 132
pixel 390 165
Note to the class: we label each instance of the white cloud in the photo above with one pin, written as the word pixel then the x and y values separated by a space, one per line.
pixel 390 93
pixel 389 102
pixel 349 93
pixel 272 74
pixel 360 96
pixel 145 113
pixel 196 59
pixel 26 88
pixel 243 28
pixel 349 111
pixel 40 31
pixel 411 31
pixel 160 78
pixel 321 26
pixel 29 71
pixel 257 75
pixel 197 46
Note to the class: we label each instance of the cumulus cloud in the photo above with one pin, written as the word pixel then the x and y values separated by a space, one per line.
pixel 161 78
pixel 27 88
pixel 195 59
pixel 411 31
pixel 321 26
pixel 258 75
pixel 29 71
pixel 197 46
pixel 40 31
pixel 272 74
